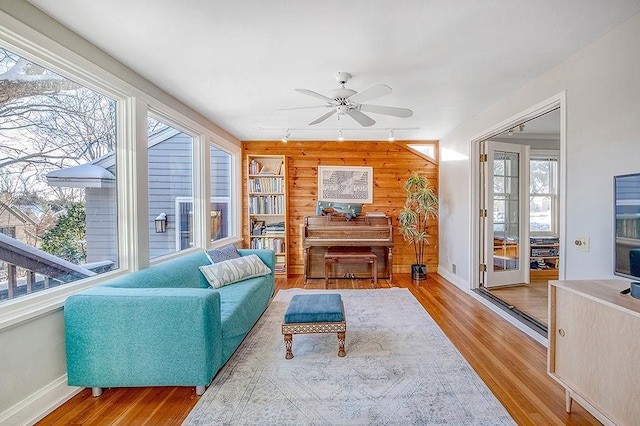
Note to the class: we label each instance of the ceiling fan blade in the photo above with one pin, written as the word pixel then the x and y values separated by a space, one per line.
pixel 374 91
pixel 387 110
pixel 364 120
pixel 323 117
pixel 305 107
pixel 315 95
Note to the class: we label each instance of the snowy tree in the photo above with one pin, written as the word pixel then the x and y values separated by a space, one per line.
pixel 48 122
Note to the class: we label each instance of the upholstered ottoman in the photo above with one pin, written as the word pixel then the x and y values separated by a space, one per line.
pixel 314 313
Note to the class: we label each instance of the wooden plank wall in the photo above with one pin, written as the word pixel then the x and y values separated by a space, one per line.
pixel 391 161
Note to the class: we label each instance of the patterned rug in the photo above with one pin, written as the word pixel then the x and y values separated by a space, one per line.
pixel 400 369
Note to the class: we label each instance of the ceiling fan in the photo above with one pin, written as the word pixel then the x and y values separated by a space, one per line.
pixel 345 101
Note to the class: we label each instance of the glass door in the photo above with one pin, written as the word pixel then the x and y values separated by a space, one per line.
pixel 505 214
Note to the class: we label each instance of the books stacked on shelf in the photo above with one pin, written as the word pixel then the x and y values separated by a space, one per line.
pixel 275 184
pixel 280 268
pixel 274 229
pixel 268 243
pixel 256 227
pixel 266 204
pixel 257 168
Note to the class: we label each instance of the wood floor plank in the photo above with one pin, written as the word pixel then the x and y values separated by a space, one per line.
pixel 511 364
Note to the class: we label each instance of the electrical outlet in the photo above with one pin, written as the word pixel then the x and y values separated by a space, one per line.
pixel 582 243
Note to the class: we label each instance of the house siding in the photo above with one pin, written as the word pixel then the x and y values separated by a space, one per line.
pixel 101 225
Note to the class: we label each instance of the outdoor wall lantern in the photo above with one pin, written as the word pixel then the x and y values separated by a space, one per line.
pixel 161 223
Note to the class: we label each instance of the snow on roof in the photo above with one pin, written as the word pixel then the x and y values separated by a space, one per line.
pixel 82 176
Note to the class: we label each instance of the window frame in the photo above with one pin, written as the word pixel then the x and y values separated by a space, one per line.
pixel 548 155
pixel 133 103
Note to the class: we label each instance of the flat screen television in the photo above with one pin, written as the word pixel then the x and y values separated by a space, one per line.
pixel 627 226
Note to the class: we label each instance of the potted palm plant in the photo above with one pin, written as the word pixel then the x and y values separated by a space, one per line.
pixel 421 205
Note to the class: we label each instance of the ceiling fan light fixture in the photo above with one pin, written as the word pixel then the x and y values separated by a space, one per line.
pixel 344 101
pixel 391 137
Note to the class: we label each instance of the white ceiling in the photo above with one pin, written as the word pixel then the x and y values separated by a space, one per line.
pixel 238 62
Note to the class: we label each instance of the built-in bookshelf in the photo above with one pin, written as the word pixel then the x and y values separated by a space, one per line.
pixel 267 206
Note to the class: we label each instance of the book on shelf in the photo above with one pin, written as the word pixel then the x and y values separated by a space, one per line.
pixel 375 214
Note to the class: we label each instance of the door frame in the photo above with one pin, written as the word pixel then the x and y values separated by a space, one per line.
pixel 556 101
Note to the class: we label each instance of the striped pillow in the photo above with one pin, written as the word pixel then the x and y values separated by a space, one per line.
pixel 234 270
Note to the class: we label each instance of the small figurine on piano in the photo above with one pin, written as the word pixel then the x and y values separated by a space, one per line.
pixel 348 211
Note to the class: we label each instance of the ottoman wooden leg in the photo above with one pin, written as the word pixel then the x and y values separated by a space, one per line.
pixel 288 341
pixel 341 339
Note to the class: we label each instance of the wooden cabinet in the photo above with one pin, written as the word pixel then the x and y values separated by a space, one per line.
pixel 267 206
pixel 594 342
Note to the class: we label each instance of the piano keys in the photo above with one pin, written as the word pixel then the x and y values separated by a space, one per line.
pixel 367 233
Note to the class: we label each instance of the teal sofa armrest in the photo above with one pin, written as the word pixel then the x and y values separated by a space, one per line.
pixel 119 337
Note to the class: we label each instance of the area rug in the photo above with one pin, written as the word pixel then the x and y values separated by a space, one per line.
pixel 400 369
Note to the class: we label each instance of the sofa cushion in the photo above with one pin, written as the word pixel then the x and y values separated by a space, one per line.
pixel 241 305
pixel 234 270
pixel 221 254
pixel 314 308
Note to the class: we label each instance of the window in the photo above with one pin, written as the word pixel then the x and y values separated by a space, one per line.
pixel 220 223
pixel 9 231
pixel 220 176
pixel 543 202
pixel 170 156
pixel 57 179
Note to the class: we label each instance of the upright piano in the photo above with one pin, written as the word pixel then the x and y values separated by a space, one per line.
pixel 370 233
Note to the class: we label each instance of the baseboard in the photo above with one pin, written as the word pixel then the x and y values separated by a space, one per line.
pixel 454 279
pixel 37 405
pixel 464 286
pixel 512 320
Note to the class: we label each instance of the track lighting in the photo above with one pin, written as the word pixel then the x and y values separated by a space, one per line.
pixel 340 138
pixel 286 137
pixel 391 137
pixel 513 129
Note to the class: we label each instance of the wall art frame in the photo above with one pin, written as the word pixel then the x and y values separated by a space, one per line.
pixel 345 184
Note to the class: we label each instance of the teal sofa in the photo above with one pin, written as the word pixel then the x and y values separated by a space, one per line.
pixel 161 326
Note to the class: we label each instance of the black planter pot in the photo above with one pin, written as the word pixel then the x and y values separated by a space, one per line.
pixel 418 272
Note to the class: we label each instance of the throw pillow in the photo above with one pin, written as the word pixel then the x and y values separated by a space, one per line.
pixel 234 270
pixel 222 254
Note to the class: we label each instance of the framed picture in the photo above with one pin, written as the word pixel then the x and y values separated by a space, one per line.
pixel 258 226
pixel 345 184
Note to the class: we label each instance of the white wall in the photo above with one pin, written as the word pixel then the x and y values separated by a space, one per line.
pixel 602 84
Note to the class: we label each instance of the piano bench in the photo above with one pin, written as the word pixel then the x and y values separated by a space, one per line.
pixel 334 256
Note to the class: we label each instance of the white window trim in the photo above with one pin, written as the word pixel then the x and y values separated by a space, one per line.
pixel 132 103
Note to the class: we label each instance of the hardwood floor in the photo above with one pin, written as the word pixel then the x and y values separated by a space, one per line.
pixel 531 298
pixel 511 364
